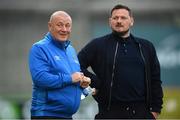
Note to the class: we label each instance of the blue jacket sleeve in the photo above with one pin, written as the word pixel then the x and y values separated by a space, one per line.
pixel 41 73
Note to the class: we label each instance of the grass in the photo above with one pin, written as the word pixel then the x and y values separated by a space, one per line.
pixel 171 106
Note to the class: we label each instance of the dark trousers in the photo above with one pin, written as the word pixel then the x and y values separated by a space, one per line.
pixel 125 111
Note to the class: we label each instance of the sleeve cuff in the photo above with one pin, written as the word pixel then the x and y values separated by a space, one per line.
pixel 66 80
pixel 155 109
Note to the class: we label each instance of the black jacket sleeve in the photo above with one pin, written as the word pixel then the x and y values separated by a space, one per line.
pixel 87 58
pixel 156 88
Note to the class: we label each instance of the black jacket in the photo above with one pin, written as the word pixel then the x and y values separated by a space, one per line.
pixel 99 54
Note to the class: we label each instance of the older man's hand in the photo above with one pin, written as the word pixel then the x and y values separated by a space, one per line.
pixel 85 82
pixel 77 77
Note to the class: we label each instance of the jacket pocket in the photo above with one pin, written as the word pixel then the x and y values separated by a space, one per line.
pixel 58 100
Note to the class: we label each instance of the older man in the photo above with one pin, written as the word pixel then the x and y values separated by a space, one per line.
pixel 55 71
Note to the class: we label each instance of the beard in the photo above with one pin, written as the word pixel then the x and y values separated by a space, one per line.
pixel 121 34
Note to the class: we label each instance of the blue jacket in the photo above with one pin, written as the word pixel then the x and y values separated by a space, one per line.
pixel 51 64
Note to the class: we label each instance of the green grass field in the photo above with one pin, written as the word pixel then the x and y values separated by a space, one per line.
pixel 171 105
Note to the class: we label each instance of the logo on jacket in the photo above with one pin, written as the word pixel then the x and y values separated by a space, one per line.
pixel 56 57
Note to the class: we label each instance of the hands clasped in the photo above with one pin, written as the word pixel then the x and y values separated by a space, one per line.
pixel 79 77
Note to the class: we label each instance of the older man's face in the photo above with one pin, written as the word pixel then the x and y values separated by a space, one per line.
pixel 60 27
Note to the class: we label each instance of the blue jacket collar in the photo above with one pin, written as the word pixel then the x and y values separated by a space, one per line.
pixel 61 44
